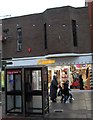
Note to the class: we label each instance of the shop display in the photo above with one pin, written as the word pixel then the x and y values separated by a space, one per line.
pixel 91 78
pixel 64 75
pixel 71 73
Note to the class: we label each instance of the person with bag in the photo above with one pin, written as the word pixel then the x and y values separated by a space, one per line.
pixel 65 93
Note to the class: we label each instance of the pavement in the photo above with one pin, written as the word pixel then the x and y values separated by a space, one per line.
pixel 81 108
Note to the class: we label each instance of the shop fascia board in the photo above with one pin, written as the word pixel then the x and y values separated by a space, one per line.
pixel 53 56
pixel 26 61
pixel 68 55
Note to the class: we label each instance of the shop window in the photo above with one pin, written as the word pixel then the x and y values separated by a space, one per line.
pixel 13 91
pixel 36 79
pixel 13 82
pixel 19 39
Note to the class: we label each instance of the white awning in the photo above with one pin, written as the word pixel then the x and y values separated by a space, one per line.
pixel 59 59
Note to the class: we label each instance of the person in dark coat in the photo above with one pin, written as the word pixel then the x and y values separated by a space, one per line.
pixel 81 82
pixel 53 89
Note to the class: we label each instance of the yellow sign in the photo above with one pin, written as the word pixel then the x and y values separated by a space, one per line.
pixel 2 79
pixel 45 62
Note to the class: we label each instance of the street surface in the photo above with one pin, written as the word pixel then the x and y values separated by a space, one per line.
pixel 81 107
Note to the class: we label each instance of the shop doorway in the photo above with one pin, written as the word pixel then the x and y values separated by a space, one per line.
pixel 27 91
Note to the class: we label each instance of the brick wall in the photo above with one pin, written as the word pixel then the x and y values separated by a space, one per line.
pixel 58 30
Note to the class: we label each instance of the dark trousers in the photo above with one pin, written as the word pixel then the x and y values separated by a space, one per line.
pixel 66 96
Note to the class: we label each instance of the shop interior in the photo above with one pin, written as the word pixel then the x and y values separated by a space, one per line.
pixel 71 73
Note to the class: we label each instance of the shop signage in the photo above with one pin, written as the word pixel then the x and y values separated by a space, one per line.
pixel 2 79
pixel 45 62
pixel 13 71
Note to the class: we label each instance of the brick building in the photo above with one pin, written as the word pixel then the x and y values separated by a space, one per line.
pixel 60 33
pixel 58 38
pixel 90 9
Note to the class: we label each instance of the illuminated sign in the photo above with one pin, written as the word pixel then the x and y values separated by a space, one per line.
pixel 13 71
pixel 45 62
pixel 2 79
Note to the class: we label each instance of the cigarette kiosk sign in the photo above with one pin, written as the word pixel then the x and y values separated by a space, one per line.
pixel 45 62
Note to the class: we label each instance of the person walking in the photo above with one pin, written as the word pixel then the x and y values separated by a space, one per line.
pixel 66 92
pixel 53 89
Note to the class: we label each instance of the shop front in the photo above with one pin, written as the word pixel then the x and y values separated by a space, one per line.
pixel 27 81
pixel 70 68
pixel 71 73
